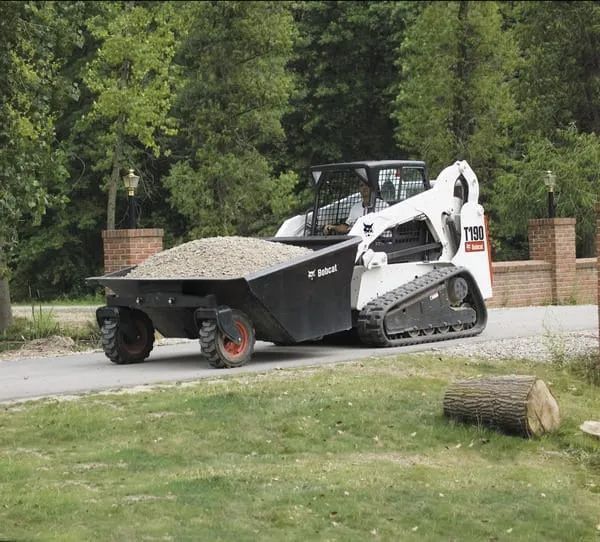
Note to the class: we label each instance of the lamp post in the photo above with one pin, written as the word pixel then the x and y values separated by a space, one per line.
pixel 550 182
pixel 131 182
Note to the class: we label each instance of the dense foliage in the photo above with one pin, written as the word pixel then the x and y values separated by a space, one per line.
pixel 221 107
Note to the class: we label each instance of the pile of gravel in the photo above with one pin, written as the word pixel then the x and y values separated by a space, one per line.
pixel 217 258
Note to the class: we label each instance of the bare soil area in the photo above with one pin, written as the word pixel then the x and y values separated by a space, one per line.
pixel 56 345
pixel 42 348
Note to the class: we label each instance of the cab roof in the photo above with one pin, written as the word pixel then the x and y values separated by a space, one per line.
pixel 368 170
pixel 370 164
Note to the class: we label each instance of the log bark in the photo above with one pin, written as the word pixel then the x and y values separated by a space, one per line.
pixel 516 404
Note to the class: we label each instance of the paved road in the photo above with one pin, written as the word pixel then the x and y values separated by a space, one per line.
pixel 39 377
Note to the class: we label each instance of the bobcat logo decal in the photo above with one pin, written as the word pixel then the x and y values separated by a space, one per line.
pixel 367 229
pixel 322 272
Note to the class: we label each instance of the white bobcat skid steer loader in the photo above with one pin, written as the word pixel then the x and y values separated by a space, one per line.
pixel 422 269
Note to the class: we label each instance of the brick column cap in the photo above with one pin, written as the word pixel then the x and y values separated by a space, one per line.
pixel 555 221
pixel 127 234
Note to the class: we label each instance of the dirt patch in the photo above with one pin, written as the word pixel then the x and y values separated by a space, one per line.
pixel 56 345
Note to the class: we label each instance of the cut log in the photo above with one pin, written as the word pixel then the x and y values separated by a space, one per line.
pixel 515 404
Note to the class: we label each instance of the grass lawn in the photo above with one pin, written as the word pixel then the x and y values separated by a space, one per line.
pixel 358 451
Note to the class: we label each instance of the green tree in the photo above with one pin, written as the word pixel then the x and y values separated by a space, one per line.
pixel 559 75
pixel 344 63
pixel 54 257
pixel 454 99
pixel 131 77
pixel 519 193
pixel 236 90
pixel 30 161
pixel 558 93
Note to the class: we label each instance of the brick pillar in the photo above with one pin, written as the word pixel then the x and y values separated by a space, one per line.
pixel 553 240
pixel 124 248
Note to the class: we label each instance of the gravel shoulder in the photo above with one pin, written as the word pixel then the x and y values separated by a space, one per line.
pixel 542 348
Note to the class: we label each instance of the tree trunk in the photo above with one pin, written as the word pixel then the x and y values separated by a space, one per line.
pixel 113 184
pixel 5 309
pixel 115 174
pixel 516 404
pixel 460 124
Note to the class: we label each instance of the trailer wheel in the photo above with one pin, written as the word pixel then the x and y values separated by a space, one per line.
pixel 122 345
pixel 220 350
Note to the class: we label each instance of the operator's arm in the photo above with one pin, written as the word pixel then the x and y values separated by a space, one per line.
pixel 342 229
pixel 339 229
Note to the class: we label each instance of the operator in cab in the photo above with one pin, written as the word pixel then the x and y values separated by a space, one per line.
pixel 360 208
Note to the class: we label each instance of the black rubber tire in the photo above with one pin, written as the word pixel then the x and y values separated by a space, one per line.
pixel 119 349
pixel 208 339
pixel 220 351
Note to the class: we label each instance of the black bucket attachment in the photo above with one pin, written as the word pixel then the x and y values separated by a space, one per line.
pixel 302 299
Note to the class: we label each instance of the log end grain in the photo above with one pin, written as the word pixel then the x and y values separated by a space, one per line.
pixel 543 415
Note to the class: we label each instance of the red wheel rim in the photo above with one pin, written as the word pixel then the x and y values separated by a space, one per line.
pixel 234 349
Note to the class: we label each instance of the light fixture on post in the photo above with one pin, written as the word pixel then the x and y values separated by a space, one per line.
pixel 131 182
pixel 550 182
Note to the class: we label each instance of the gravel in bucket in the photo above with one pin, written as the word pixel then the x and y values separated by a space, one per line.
pixel 217 258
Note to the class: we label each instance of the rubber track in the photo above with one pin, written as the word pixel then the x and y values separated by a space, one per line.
pixel 371 319
pixel 208 343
